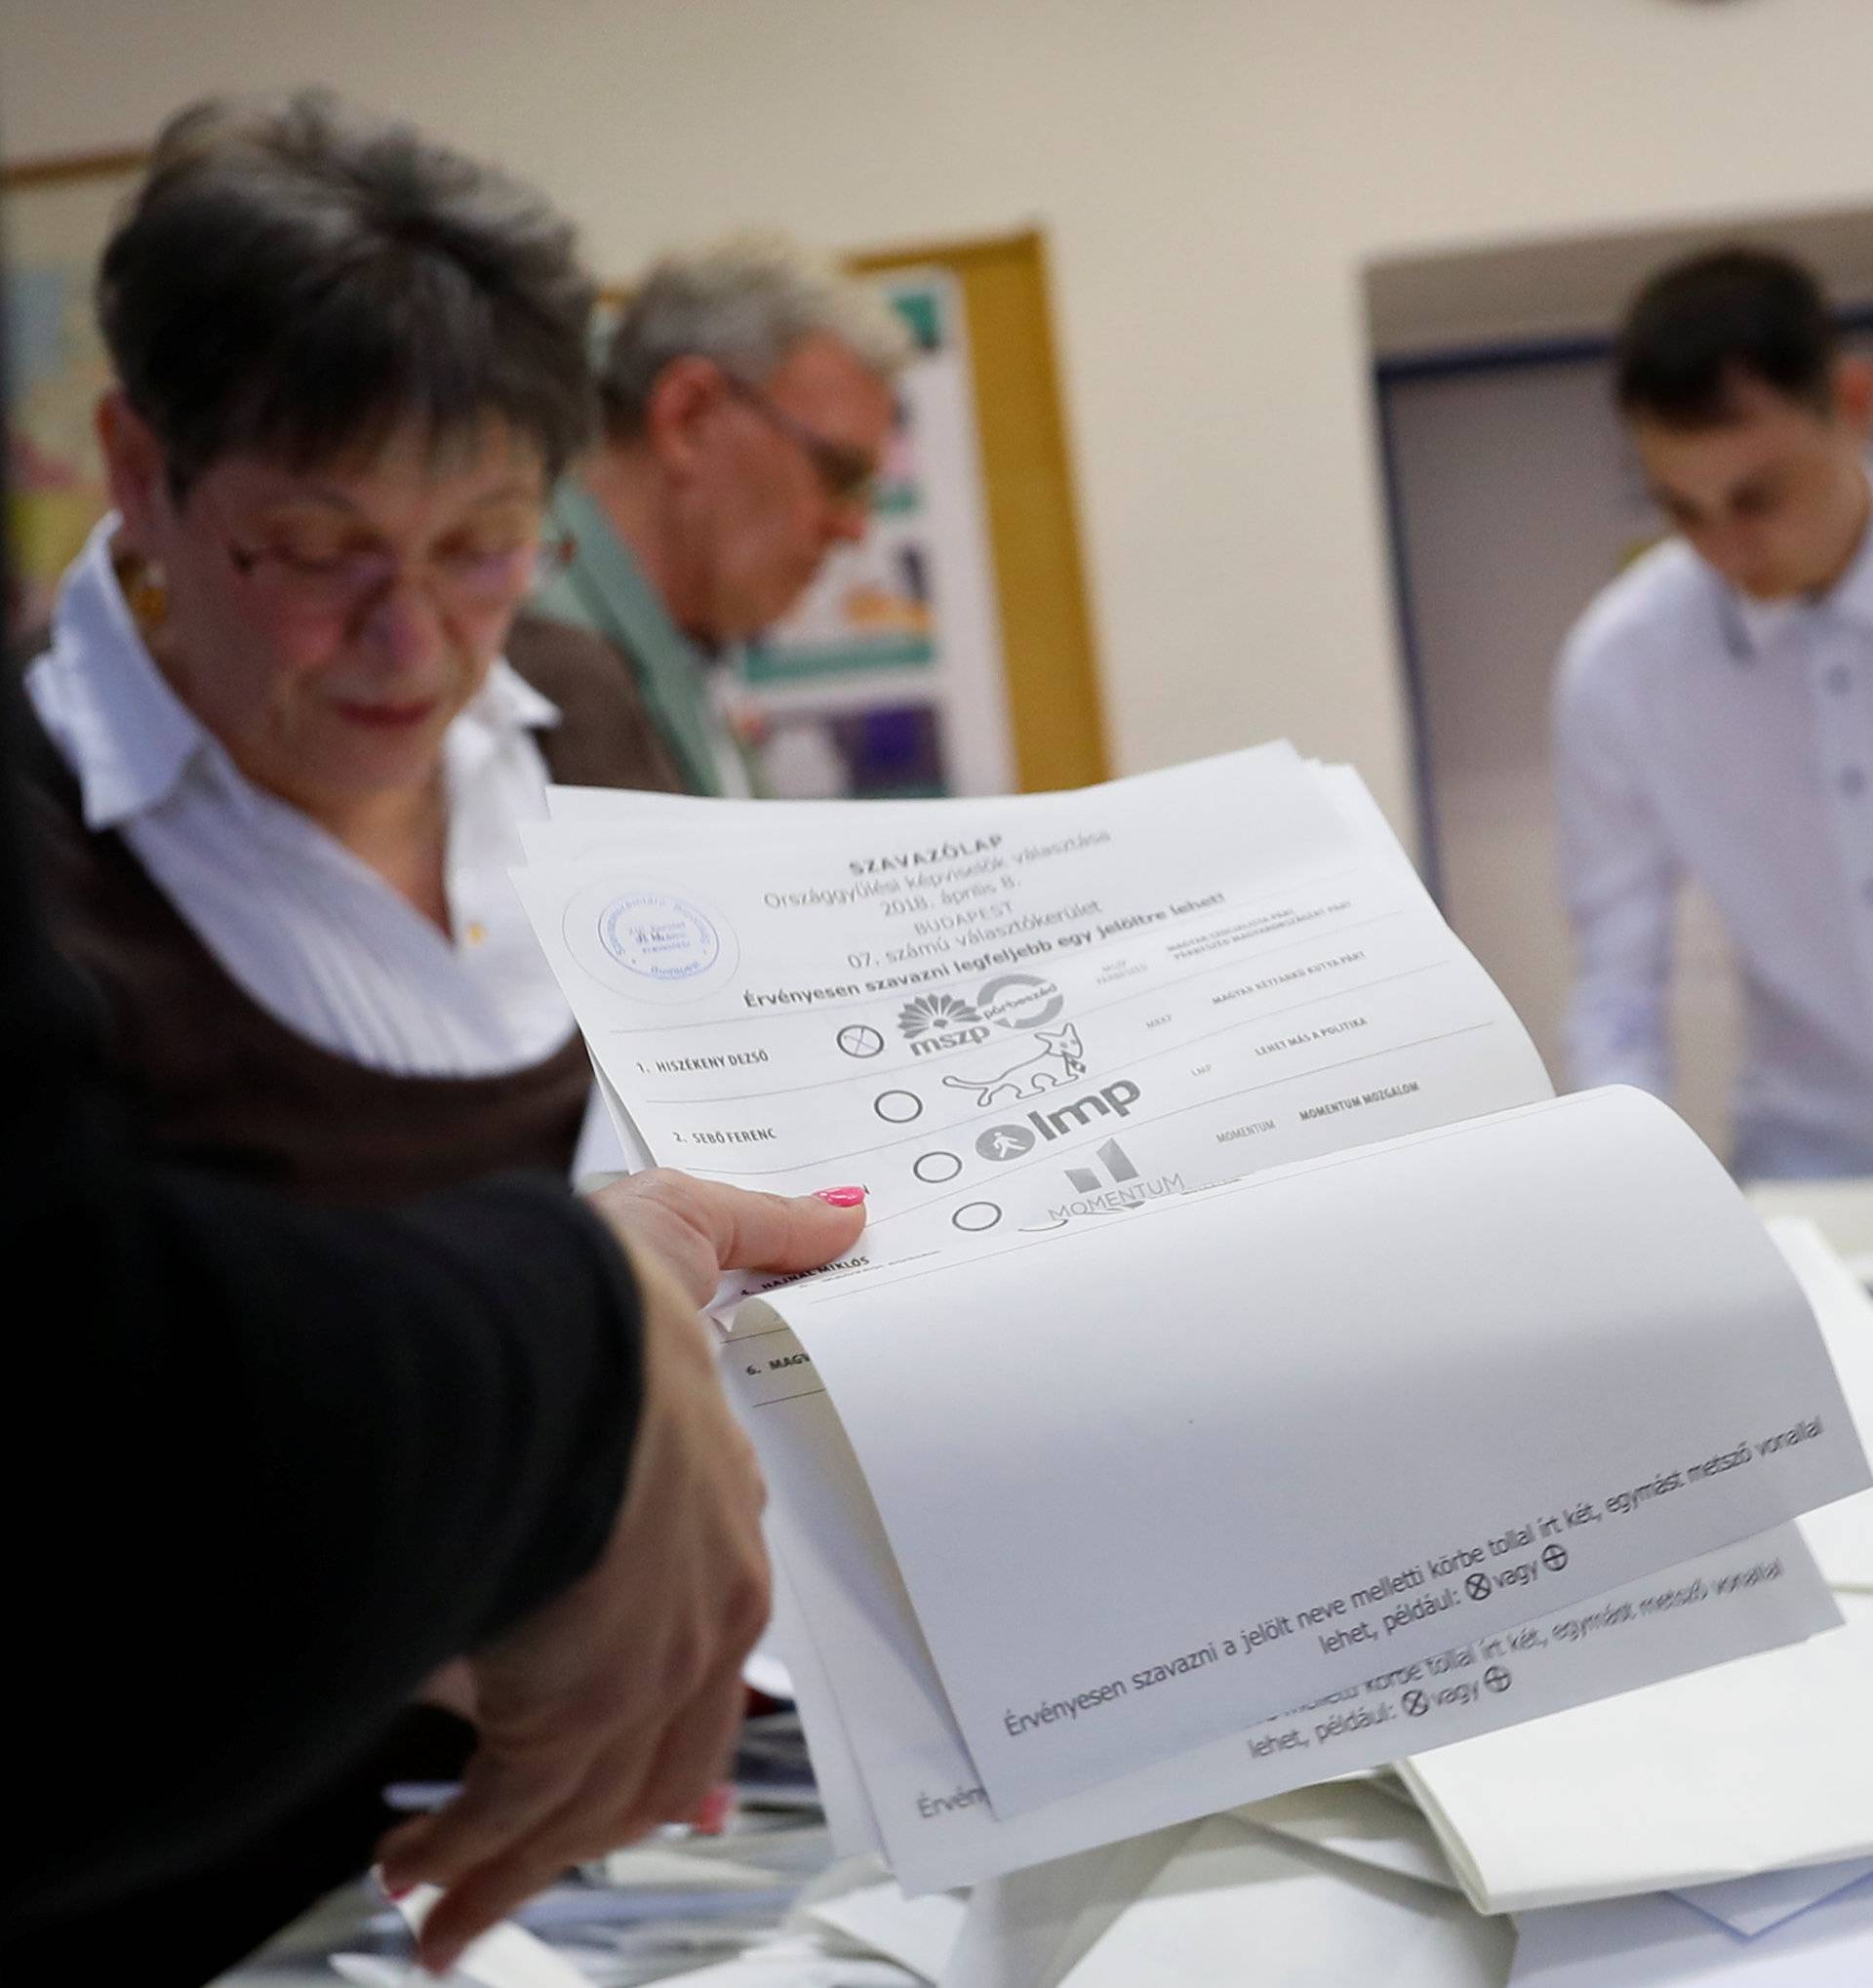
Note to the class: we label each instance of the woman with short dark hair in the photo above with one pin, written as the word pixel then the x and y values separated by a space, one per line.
pixel 283 757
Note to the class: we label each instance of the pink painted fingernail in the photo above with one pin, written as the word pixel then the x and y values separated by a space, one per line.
pixel 840 1197
pixel 713 1813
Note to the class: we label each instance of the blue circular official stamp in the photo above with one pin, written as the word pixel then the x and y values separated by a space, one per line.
pixel 648 942
pixel 661 938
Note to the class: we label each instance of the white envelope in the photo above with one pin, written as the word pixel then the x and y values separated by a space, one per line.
pixel 1237 1905
pixel 1747 1766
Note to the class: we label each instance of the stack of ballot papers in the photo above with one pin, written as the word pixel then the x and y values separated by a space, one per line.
pixel 1250 1372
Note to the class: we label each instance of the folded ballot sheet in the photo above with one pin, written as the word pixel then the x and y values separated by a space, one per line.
pixel 1250 1372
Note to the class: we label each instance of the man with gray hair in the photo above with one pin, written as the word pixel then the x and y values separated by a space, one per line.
pixel 746 397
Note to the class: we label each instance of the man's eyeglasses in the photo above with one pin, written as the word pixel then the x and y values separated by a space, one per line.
pixel 469 581
pixel 846 474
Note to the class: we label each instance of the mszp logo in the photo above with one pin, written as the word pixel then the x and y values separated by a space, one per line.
pixel 940 1021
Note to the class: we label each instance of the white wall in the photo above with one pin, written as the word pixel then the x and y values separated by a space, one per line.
pixel 1213 174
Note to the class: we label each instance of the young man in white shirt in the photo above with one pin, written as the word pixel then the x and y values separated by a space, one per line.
pixel 1714 712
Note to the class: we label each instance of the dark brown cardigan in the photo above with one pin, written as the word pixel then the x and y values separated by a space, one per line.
pixel 217 1079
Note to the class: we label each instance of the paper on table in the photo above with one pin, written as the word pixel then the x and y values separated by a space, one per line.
pixel 1237 1903
pixel 371 1971
pixel 1840 1535
pixel 918 1933
pixel 1028 1929
pixel 1137 1504
pixel 796 1961
pixel 1353 1819
pixel 1657 1941
pixel 1747 1766
pixel 1751 1906
pixel 506 1956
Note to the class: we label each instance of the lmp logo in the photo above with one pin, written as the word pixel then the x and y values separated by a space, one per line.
pixel 1011 1141
pixel 1112 1157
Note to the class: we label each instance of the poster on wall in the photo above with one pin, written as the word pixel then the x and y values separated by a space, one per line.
pixel 55 225
pixel 885 682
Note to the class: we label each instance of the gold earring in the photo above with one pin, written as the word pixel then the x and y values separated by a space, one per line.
pixel 148 595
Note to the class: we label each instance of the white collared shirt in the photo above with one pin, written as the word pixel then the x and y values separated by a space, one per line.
pixel 312 933
pixel 1702 735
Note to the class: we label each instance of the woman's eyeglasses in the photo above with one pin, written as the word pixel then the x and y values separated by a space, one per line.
pixel 472 580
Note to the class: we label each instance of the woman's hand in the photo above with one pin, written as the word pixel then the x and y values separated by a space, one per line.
pixel 700 1230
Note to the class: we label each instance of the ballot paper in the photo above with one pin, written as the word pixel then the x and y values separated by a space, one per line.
pixel 922 1793
pixel 1749 1766
pixel 1443 1414
pixel 1008 1011
pixel 1657 1941
pixel 1245 1362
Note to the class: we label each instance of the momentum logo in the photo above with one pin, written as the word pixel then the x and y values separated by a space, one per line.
pixel 1112 1157
pixel 1010 1142
pixel 1126 1189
